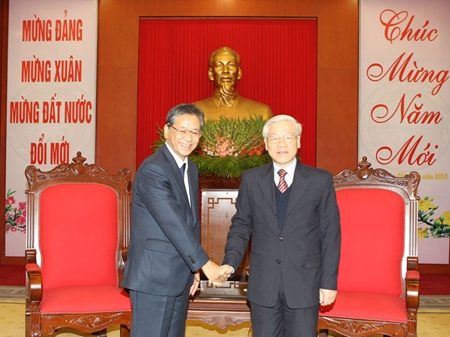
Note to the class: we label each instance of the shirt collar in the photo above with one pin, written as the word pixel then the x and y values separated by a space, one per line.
pixel 290 169
pixel 177 159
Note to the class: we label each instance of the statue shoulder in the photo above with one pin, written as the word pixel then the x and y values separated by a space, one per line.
pixel 249 102
pixel 255 107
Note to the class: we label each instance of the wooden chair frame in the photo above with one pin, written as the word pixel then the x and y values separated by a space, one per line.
pixel 366 177
pixel 76 172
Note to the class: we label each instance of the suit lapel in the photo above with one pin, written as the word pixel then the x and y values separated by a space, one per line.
pixel 267 185
pixel 175 171
pixel 298 188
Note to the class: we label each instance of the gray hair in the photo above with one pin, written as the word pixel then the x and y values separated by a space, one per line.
pixel 182 109
pixel 282 118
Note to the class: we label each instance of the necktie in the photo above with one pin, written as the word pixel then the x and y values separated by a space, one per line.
pixel 186 182
pixel 282 185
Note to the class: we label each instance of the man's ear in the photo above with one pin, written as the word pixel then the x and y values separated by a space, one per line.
pixel 210 74
pixel 239 74
pixel 166 131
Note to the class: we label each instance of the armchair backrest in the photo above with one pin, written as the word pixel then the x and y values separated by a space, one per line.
pixel 78 223
pixel 379 228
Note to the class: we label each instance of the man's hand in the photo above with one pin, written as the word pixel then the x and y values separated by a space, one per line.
pixel 227 270
pixel 327 296
pixel 195 284
pixel 216 274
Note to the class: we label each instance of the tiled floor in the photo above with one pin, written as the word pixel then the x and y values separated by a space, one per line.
pixel 433 319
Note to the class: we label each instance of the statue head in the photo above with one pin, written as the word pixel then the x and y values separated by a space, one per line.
pixel 225 70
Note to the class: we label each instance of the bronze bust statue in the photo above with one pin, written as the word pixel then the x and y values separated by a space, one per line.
pixel 225 71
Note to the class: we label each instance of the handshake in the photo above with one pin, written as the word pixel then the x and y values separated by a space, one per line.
pixel 217 274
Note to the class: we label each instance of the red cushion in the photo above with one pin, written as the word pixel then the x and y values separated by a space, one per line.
pixel 85 299
pixel 372 222
pixel 367 306
pixel 78 235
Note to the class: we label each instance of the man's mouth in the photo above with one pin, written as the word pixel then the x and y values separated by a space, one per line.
pixel 186 146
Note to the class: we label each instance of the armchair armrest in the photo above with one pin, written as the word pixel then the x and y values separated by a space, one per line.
pixel 412 284
pixel 30 256
pixel 34 282
pixel 413 263
pixel 124 254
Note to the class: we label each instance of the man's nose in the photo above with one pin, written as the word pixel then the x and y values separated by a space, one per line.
pixel 282 141
pixel 188 136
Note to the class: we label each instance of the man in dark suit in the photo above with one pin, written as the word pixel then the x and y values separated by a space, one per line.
pixel 165 254
pixel 289 209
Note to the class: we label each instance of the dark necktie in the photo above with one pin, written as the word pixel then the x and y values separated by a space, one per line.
pixel 282 185
pixel 182 169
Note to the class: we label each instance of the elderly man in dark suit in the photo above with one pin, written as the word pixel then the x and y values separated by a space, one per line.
pixel 289 209
pixel 165 254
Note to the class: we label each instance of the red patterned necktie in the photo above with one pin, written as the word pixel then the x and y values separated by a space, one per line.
pixel 282 185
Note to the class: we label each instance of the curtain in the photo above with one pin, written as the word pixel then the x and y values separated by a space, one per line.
pixel 278 62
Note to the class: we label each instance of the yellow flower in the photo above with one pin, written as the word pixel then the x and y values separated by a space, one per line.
pixel 426 204
pixel 446 216
pixel 444 219
pixel 423 232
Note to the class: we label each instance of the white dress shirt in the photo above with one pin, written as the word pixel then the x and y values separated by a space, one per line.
pixel 290 170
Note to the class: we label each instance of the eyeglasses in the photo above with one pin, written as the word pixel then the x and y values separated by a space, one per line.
pixel 184 133
pixel 277 139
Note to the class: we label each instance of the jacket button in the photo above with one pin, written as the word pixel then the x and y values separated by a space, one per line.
pixel 281 238
pixel 278 261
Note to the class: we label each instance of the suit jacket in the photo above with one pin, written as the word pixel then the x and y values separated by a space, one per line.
pixel 165 245
pixel 305 251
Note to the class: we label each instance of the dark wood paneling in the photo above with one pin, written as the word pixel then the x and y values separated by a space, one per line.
pixel 218 207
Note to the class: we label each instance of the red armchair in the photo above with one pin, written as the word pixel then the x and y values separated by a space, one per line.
pixel 378 282
pixel 78 219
